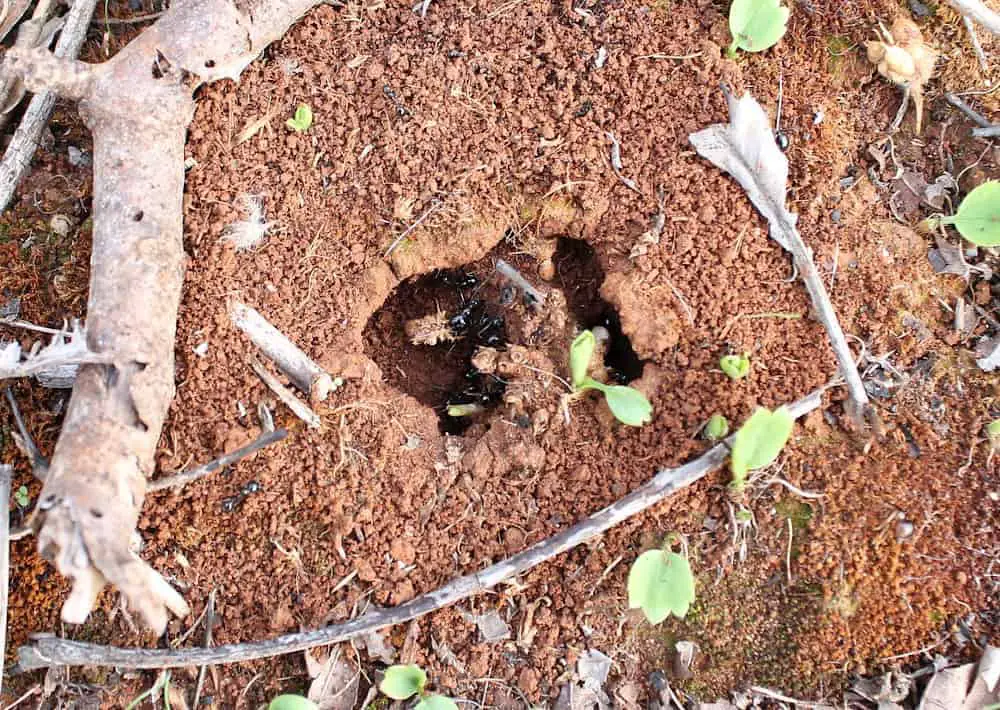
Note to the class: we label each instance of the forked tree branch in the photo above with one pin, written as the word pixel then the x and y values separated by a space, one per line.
pixel 48 650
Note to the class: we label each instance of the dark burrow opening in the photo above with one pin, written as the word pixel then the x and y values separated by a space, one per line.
pixel 465 308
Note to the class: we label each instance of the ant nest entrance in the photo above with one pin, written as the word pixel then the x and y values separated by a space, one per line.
pixel 491 339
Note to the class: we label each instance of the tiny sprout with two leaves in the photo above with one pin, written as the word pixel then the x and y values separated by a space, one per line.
pixel 302 120
pixel 736 367
pixel 716 428
pixel 628 404
pixel 756 25
pixel 758 443
pixel 661 583
pixel 978 217
pixel 402 682
pixel 21 496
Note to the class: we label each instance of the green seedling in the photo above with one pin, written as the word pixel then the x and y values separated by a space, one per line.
pixel 464 410
pixel 758 443
pixel 628 404
pixel 292 702
pixel 402 682
pixel 735 366
pixel 756 25
pixel 716 428
pixel 978 217
pixel 302 120
pixel 21 497
pixel 992 432
pixel 660 583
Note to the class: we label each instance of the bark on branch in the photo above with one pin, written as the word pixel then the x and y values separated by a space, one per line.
pixel 978 12
pixel 137 106
pixel 49 650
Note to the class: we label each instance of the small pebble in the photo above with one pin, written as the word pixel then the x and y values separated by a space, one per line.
pixel 904 529
pixel 835 216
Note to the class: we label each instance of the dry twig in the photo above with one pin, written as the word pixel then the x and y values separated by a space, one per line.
pixel 181 479
pixel 47 649
pixel 6 473
pixel 977 11
pixel 301 410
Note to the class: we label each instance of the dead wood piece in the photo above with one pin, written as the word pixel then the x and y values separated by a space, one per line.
pixel 301 410
pixel 182 479
pixel 137 106
pixel 22 146
pixel 6 473
pixel 24 441
pixel 48 650
pixel 978 12
pixel 300 369
pixel 515 277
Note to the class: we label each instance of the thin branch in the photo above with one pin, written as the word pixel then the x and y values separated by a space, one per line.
pixel 978 12
pixel 290 359
pixel 135 20
pixel 49 650
pixel 209 626
pixel 973 115
pixel 987 132
pixel 774 695
pixel 977 47
pixel 39 464
pixel 22 146
pixel 181 479
pixel 301 410
pixel 6 473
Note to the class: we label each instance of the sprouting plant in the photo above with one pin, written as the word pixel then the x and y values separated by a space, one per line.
pixel 756 25
pixel 628 404
pixel 660 583
pixel 758 443
pixel 21 496
pixel 292 702
pixel 302 120
pixel 735 366
pixel 716 428
pixel 978 217
pixel 402 682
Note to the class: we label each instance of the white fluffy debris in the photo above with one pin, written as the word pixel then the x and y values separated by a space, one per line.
pixel 68 349
pixel 249 232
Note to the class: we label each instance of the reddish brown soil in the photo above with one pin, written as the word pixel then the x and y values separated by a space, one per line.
pixel 504 132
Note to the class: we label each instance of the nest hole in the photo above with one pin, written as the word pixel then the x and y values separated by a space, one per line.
pixel 472 303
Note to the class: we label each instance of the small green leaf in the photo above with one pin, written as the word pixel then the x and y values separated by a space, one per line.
pixel 629 405
pixel 660 583
pixel 402 682
pixel 760 440
pixel 735 366
pixel 716 428
pixel 757 25
pixel 303 119
pixel 978 217
pixel 21 496
pixel 580 353
pixel 292 702
pixel 436 702
pixel 992 432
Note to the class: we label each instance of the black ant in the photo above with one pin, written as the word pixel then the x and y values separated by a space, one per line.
pixel 233 502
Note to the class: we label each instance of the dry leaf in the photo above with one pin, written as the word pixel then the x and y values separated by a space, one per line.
pixel 335 683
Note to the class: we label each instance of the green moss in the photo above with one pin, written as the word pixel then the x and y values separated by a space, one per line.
pixel 837 46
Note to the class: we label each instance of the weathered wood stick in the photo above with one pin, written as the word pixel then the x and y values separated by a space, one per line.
pixel 6 473
pixel 300 369
pixel 977 11
pixel 22 146
pixel 49 650
pixel 301 410
pixel 137 105
pixel 182 479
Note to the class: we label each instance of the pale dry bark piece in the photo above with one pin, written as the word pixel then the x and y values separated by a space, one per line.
pixel 49 650
pixel 300 369
pixel 977 11
pixel 137 106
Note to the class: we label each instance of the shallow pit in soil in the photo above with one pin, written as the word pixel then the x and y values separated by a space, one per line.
pixel 462 309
